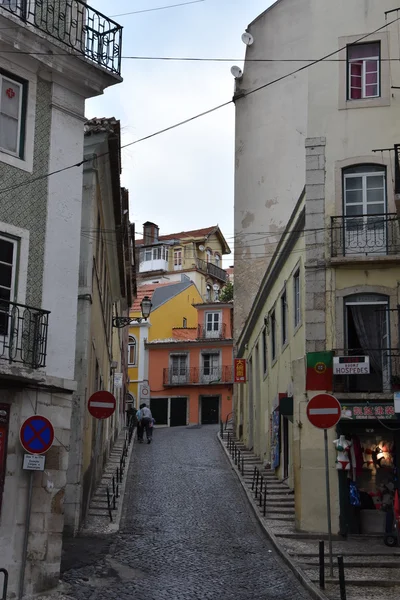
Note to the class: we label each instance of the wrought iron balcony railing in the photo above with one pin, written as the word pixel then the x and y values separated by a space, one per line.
pixel 198 376
pixel 203 333
pixel 75 24
pixel 365 235
pixel 212 270
pixel 23 334
pixel 384 375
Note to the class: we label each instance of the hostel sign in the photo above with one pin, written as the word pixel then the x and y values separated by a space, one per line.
pixel 351 365
pixel 240 370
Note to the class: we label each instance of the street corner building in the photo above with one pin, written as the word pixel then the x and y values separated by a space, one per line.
pixel 317 257
pixel 42 117
pixel 180 358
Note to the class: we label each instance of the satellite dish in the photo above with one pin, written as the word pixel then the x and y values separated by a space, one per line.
pixel 247 38
pixel 236 72
pixel 201 248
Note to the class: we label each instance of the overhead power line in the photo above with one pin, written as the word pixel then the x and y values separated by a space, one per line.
pixel 204 113
pixel 137 12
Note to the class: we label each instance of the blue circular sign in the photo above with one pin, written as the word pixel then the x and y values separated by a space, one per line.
pixel 36 435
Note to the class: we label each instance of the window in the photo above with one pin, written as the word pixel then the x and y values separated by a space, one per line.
pixel 177 259
pixel 213 324
pixel 12 115
pixel 8 255
pixel 364 191
pixel 363 71
pixel 184 322
pixel 264 351
pixel 209 255
pixel 273 335
pixel 217 260
pixel 208 292
pixel 284 318
pixel 296 298
pixel 211 366
pixel 132 351
pixel 179 370
pixel 148 253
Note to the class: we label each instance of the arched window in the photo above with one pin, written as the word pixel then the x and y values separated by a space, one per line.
pixel 365 209
pixel 132 351
pixel 209 255
pixel 217 259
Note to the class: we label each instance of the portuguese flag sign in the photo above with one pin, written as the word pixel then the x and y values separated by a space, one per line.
pixel 319 371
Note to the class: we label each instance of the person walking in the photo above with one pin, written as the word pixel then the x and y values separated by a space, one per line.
pixel 140 429
pixel 147 422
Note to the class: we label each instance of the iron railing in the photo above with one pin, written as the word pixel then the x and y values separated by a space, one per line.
pixel 384 375
pixel 197 376
pixel 112 490
pixel 212 270
pixel 205 334
pixel 368 235
pixel 77 25
pixel 397 169
pixel 23 334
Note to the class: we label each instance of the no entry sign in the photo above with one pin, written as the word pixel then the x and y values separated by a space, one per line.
pixel 101 405
pixel 323 411
pixel 36 435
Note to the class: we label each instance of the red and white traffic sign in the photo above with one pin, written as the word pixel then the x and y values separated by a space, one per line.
pixel 101 405
pixel 324 411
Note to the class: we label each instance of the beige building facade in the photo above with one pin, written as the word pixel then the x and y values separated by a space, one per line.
pixel 316 181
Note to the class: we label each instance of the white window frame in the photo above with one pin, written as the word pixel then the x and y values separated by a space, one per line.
pixel 364 176
pixel 209 255
pixel 212 375
pixel 363 75
pixel 21 236
pixel 19 153
pixel 179 378
pixel 217 259
pixel 297 298
pixel 132 344
pixel 178 259
pixel 26 163
pixel 212 332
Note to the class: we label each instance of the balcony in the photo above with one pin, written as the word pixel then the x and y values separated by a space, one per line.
pixel 212 270
pixel 214 334
pixel 23 334
pixel 365 235
pixel 74 24
pixel 384 375
pixel 198 376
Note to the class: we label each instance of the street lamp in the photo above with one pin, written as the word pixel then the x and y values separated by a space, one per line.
pixel 145 306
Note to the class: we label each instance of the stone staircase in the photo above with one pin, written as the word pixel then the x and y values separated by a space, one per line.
pixel 98 516
pixel 279 498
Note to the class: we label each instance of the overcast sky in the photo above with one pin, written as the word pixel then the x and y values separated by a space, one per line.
pixel 182 179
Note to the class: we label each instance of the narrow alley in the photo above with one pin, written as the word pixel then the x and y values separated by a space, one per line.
pixel 187 533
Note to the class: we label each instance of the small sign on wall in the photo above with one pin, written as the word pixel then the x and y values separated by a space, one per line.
pixel 34 462
pixel 118 380
pixel 351 365
pixel 240 370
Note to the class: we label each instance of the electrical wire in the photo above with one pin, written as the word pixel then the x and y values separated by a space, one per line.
pixel 202 114
pixel 137 12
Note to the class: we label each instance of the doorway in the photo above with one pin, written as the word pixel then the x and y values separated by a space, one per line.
pixel 285 436
pixel 159 410
pixel 4 416
pixel 209 410
pixel 178 415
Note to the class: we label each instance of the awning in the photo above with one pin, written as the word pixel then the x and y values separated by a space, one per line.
pixel 286 407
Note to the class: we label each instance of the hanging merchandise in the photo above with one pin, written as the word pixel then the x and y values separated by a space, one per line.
pixel 343 453
pixel 354 495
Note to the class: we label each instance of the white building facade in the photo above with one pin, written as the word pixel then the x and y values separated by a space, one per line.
pixel 324 136
pixel 48 68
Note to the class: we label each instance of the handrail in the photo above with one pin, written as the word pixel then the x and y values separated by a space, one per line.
pixel 112 490
pixel 227 419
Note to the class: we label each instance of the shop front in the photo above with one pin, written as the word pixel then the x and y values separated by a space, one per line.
pixel 368 455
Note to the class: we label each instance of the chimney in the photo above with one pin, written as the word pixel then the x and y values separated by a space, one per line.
pixel 150 233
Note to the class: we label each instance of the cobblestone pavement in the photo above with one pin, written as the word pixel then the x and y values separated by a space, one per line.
pixel 187 533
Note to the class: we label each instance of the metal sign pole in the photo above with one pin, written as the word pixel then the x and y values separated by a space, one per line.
pixel 328 503
pixel 26 536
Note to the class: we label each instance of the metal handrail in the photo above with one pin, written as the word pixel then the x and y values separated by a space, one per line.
pixel 112 490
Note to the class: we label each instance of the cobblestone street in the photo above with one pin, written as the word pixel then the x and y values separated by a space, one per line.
pixel 187 533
